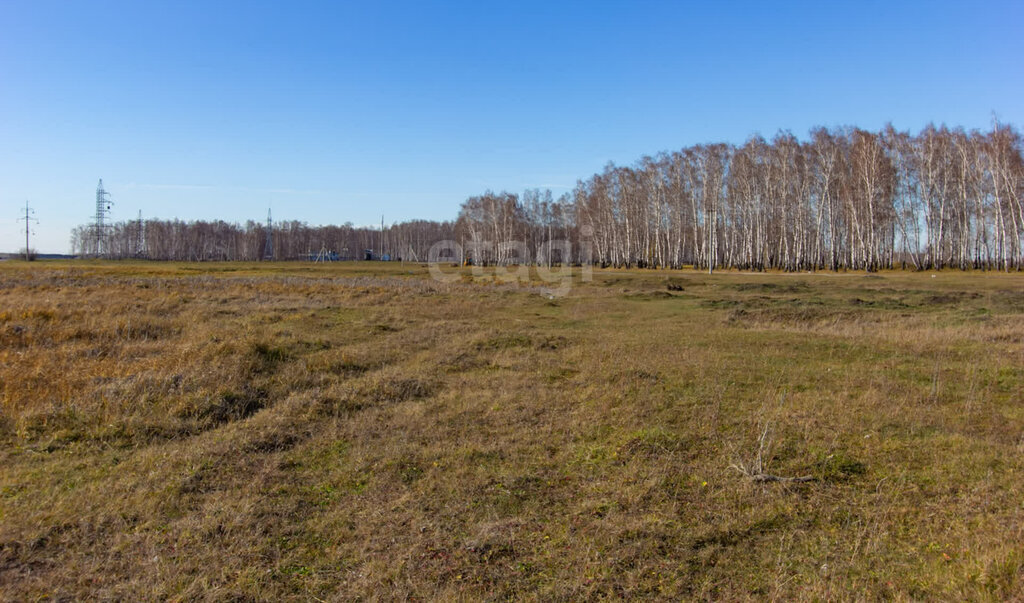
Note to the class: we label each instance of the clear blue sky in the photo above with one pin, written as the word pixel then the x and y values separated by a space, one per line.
pixel 334 112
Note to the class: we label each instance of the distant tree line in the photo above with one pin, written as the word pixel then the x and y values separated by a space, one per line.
pixel 224 241
pixel 846 198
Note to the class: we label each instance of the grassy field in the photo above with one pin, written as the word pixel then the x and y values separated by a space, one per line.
pixel 360 431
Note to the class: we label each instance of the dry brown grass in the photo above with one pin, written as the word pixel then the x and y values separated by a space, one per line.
pixel 246 431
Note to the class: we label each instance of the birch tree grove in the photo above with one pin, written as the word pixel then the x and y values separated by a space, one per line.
pixel 845 198
pixel 221 241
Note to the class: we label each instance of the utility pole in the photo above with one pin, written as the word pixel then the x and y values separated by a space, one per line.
pixel 28 218
pixel 380 256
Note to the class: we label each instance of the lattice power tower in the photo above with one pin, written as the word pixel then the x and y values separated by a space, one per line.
pixel 100 226
pixel 268 249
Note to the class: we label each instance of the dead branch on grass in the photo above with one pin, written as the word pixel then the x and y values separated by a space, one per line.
pixel 756 469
